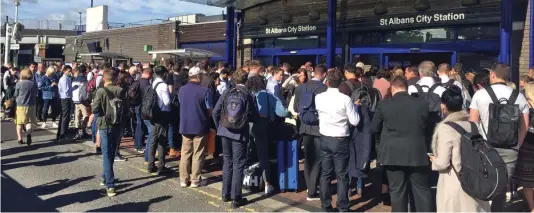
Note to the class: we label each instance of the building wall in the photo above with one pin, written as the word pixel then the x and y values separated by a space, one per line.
pixel 127 41
pixel 525 55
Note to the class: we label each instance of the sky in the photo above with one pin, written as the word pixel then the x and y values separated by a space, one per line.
pixel 120 11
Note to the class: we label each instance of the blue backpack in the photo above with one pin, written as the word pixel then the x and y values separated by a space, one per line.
pixel 235 109
pixel 306 106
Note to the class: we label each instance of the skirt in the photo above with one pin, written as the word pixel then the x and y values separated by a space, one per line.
pixel 524 169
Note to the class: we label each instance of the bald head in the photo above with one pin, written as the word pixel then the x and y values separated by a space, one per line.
pixel 133 70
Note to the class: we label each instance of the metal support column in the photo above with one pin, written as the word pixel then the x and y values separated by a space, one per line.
pixel 531 39
pixel 230 36
pixel 506 31
pixel 331 34
pixel 235 41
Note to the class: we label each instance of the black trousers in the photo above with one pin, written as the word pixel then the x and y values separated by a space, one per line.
pixel 39 108
pixel 158 140
pixel 235 156
pixel 334 158
pixel 66 111
pixel 406 179
pixel 312 164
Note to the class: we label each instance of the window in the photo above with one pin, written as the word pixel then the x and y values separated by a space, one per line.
pixel 263 43
pixel 486 32
pixel 419 35
pixel 366 38
pixel 264 60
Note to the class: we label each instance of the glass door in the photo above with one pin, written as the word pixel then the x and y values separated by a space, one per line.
pixel 373 60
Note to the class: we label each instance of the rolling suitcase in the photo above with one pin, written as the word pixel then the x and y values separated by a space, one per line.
pixel 288 166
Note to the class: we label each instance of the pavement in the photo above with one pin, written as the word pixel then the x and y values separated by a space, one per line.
pixel 50 176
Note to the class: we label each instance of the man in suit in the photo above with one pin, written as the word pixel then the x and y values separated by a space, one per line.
pixel 402 148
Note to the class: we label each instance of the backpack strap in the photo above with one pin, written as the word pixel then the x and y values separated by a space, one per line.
pixel 457 127
pixel 109 93
pixel 419 89
pixel 492 95
pixel 433 87
pixel 351 87
pixel 156 86
pixel 513 96
pixel 449 83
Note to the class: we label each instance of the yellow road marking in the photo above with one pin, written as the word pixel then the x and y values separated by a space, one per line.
pixel 214 204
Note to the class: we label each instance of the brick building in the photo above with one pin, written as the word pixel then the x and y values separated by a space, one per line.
pixel 131 41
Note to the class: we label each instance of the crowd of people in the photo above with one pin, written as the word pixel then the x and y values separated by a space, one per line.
pixel 342 117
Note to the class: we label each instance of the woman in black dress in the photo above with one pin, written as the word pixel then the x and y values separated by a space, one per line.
pixel 524 170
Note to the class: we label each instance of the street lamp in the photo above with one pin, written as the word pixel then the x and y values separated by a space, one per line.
pixel 80 13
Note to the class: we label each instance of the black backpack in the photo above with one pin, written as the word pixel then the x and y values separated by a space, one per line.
pixel 434 109
pixel 483 174
pixel 235 109
pixel 503 122
pixel 369 97
pixel 149 104
pixel 115 108
pixel 134 94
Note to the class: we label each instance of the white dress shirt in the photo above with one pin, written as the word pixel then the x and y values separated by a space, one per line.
pixel 164 97
pixel 336 111
pixel 429 82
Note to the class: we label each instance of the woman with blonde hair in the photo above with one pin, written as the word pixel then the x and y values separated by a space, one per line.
pixel 26 95
pixel 48 85
pixel 524 174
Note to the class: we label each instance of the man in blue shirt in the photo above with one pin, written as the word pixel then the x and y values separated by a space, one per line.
pixel 65 95
pixel 273 86
pixel 37 75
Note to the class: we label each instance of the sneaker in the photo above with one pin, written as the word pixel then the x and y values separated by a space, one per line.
pixel 183 184
pixel 312 198
pixel 226 198
pixel 54 125
pixel 119 158
pixel 102 182
pixel 194 185
pixel 239 202
pixel 43 125
pixel 153 171
pixel 269 189
pixel 111 192
pixel 140 151
pixel 21 142
pixel 98 150
pixel 163 170
pixel 29 139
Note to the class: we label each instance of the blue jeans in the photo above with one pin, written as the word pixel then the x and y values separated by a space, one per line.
pixel 109 139
pixel 93 127
pixel 139 136
pixel 147 142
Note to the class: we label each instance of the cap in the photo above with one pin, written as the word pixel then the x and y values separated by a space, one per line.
pixel 360 65
pixel 194 71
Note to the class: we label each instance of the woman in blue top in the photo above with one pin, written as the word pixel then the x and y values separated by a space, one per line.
pixel 269 106
pixel 48 85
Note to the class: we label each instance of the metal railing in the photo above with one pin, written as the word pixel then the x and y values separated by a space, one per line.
pixel 47 24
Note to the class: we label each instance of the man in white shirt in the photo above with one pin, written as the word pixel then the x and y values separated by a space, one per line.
pixel 160 125
pixel 479 114
pixel 426 70
pixel 336 114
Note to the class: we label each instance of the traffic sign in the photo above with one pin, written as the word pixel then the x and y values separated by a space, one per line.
pixel 14 46
pixel 37 59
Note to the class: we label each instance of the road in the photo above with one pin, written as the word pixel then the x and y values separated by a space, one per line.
pixel 48 176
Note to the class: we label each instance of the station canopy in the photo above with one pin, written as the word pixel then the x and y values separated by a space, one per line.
pixel 238 4
pixel 187 52
pixel 108 55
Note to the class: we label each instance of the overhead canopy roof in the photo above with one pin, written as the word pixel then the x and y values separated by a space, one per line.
pixel 106 55
pixel 187 52
pixel 238 4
